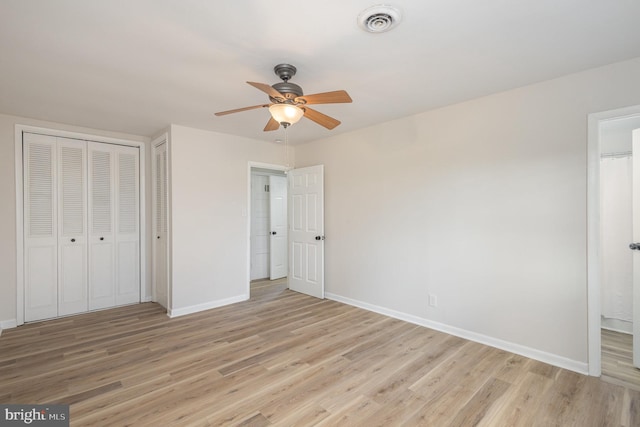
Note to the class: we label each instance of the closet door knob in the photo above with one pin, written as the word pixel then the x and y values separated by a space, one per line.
pixel 634 246
pixel 102 238
pixel 73 240
pixel 274 233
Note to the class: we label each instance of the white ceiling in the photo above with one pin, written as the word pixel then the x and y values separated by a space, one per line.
pixel 136 66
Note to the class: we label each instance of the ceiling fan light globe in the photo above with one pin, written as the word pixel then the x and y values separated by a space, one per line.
pixel 285 113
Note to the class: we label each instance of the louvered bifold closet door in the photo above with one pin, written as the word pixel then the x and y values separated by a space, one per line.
pixel 72 226
pixel 127 227
pixel 40 227
pixel 102 278
pixel 160 225
pixel 114 225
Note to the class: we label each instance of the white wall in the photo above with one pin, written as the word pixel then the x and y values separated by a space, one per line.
pixel 210 230
pixel 8 273
pixel 482 204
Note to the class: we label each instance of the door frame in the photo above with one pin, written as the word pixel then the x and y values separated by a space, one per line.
pixel 19 130
pixel 258 165
pixel 594 267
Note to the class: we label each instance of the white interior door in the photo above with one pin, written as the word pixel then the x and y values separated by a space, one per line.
pixel 114 231
pixel 127 227
pixel 306 230
pixel 636 253
pixel 278 238
pixel 102 278
pixel 160 196
pixel 40 227
pixel 72 226
pixel 81 225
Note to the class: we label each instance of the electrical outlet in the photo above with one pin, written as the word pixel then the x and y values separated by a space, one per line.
pixel 433 301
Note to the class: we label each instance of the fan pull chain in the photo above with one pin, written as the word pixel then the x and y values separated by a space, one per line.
pixel 286 147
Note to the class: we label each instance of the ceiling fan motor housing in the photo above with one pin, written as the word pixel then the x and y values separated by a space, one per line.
pixel 289 90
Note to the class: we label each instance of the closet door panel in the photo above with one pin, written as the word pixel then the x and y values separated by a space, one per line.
pixel 40 227
pixel 160 226
pixel 72 228
pixel 101 226
pixel 41 284
pixel 72 279
pixel 128 290
pixel 127 226
pixel 101 289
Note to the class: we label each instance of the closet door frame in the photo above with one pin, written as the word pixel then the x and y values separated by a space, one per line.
pixel 145 295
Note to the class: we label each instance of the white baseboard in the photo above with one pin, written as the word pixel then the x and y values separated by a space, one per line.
pixel 176 312
pixel 616 325
pixel 532 353
pixel 8 324
pixel 148 298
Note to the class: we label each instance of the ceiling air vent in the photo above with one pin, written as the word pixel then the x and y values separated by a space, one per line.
pixel 378 19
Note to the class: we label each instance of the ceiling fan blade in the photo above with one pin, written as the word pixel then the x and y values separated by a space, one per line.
pixel 237 110
pixel 335 97
pixel 267 89
pixel 271 125
pixel 321 119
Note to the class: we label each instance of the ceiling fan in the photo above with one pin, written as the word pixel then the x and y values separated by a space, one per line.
pixel 289 104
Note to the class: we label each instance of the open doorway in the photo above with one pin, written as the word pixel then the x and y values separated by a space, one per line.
pixel 612 283
pixel 268 228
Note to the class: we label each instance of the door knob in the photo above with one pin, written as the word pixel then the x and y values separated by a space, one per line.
pixel 319 237
pixel 274 233
pixel 102 238
pixel 158 237
pixel 634 246
pixel 73 240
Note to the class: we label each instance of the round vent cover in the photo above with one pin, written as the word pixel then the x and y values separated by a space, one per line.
pixel 378 19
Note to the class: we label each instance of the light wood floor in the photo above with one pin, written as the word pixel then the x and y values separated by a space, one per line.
pixel 286 359
pixel 617 359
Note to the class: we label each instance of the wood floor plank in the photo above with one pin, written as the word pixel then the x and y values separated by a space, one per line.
pixel 395 411
pixel 390 388
pixel 351 414
pixel 522 405
pixel 475 410
pixel 559 404
pixel 617 359
pixel 283 358
pixel 631 409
